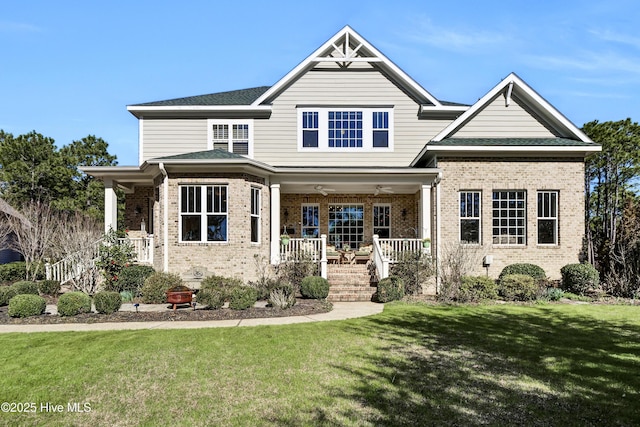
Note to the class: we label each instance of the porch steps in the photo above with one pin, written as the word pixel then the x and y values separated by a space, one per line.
pixel 351 282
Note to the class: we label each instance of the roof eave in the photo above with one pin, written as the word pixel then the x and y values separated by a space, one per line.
pixel 140 111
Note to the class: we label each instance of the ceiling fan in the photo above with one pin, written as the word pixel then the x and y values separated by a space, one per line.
pixel 324 191
pixel 381 189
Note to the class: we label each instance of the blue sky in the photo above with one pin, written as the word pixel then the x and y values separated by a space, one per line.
pixel 70 68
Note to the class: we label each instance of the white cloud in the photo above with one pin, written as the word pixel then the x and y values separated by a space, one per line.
pixel 609 36
pixel 603 62
pixel 469 39
pixel 18 27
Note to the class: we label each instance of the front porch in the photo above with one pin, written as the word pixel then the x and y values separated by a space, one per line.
pixel 383 253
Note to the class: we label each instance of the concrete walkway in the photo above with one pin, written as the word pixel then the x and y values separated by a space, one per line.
pixel 341 311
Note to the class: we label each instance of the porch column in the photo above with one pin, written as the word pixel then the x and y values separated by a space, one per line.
pixel 110 205
pixel 275 223
pixel 425 211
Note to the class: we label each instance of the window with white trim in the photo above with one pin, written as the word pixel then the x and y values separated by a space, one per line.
pixel 345 129
pixel 310 129
pixel 382 221
pixel 255 215
pixel 232 136
pixel 547 217
pixel 203 213
pixel 509 217
pixel 311 220
pixel 470 202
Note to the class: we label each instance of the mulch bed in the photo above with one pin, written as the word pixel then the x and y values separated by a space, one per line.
pixel 302 308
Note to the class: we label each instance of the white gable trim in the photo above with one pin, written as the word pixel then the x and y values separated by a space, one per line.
pixel 398 75
pixel 507 84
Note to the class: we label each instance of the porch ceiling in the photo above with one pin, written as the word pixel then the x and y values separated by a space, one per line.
pixel 380 183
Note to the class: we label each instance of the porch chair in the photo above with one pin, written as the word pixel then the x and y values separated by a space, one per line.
pixel 333 256
pixel 364 254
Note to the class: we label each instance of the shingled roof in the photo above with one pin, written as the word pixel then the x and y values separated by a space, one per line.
pixel 233 97
pixel 510 142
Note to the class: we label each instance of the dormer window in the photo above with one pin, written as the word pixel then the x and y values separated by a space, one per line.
pixel 345 129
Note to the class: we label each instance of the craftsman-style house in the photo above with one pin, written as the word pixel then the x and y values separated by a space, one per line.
pixel 348 159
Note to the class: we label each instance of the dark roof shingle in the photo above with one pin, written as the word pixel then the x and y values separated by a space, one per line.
pixel 234 97
pixel 215 154
pixel 510 142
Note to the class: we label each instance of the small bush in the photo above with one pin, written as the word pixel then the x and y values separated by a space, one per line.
pixel 73 303
pixel 131 279
pixel 107 302
pixel 26 287
pixel 155 287
pixel 49 287
pixel 126 296
pixel 13 271
pixel 477 288
pixel 531 270
pixel 518 287
pixel 220 282
pixel 553 294
pixel 263 287
pixel 26 305
pixel 211 298
pixel 579 278
pixel 390 289
pixel 242 297
pixel 282 296
pixel 314 287
pixel 6 293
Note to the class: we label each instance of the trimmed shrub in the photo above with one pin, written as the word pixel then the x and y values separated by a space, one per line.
pixel 242 297
pixel 531 270
pixel 155 287
pixel 73 303
pixel 26 305
pixel 282 296
pixel 49 287
pixel 6 293
pixel 25 287
pixel 553 294
pixel 220 282
pixel 314 287
pixel 390 289
pixel 477 288
pixel 13 271
pixel 579 278
pixel 131 278
pixel 518 287
pixel 211 298
pixel 107 302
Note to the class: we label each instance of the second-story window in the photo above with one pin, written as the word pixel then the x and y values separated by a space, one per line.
pixel 232 136
pixel 345 129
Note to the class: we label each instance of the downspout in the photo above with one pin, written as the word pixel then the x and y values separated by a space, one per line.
pixel 438 234
pixel 165 217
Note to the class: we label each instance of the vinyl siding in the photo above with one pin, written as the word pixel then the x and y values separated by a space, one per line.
pixel 276 138
pixel 499 121
pixel 167 137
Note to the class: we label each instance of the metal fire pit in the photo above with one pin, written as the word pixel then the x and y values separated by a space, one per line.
pixel 179 295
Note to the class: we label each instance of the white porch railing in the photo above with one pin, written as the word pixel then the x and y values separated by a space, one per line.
pixel 302 249
pixel 72 266
pixel 387 251
pixel 142 248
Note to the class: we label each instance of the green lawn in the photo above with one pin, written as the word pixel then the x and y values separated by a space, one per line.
pixel 411 365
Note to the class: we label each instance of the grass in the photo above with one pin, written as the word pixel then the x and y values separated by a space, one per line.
pixel 411 365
